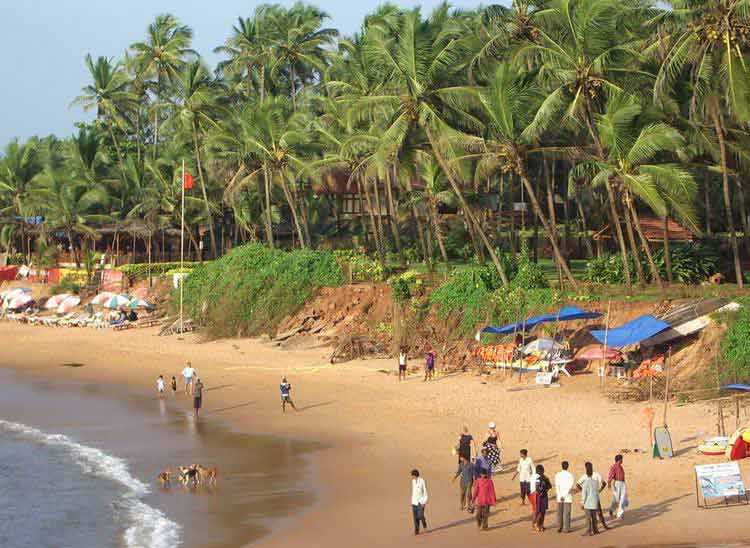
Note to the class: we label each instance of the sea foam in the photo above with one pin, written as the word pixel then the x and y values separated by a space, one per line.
pixel 146 527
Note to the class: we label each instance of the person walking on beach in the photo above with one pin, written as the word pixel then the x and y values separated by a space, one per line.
pixel 524 471
pixel 616 482
pixel 188 373
pixel 418 500
pixel 601 484
pixel 174 386
pixel 286 394
pixel 466 473
pixel 542 486
pixel 402 358
pixel 160 386
pixel 465 442
pixel 590 486
pixel 483 497
pixel 197 397
pixel 482 465
pixel 429 364
pixel 493 448
pixel 564 482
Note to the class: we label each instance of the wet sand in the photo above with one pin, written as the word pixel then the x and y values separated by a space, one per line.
pixel 374 430
pixel 263 480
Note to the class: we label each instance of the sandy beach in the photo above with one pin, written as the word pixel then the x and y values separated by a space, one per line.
pixel 373 430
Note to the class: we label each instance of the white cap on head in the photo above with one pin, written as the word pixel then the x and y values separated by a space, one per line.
pixel 492 425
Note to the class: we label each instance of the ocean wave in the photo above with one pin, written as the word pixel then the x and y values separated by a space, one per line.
pixel 147 527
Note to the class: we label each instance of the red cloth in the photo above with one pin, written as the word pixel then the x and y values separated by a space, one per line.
pixel 532 500
pixel 484 492
pixel 616 473
pixel 187 181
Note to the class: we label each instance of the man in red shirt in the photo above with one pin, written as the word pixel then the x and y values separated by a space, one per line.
pixel 616 482
pixel 484 498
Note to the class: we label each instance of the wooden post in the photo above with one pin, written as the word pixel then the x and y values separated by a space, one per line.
pixel 737 412
pixel 666 387
pixel 606 334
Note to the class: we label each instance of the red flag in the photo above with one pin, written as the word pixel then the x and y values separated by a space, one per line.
pixel 187 181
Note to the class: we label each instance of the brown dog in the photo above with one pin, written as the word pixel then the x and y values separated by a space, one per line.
pixel 208 476
pixel 165 477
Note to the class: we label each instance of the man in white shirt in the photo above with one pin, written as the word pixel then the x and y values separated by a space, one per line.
pixel 188 373
pixel 418 500
pixel 525 470
pixel 564 482
pixel 598 479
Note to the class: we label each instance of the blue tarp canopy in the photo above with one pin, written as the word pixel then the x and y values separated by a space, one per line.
pixel 567 313
pixel 635 331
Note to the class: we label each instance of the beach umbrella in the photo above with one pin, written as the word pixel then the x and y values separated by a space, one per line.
pixel 68 304
pixel 598 352
pixel 15 292
pixel 19 300
pixel 55 300
pixel 116 301
pixel 103 297
pixel 541 345
pixel 139 303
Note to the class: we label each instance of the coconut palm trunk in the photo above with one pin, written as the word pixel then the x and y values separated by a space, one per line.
pixel 467 209
pixel 719 128
pixel 633 245
pixel 646 246
pixel 667 251
pixel 438 231
pixel 393 219
pixel 268 214
pixel 293 208
pixel 209 216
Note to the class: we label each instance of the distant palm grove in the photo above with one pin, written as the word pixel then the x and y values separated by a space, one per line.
pixel 566 129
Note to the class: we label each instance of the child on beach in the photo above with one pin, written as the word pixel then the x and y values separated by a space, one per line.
pixel 286 394
pixel 160 386
pixel 542 485
pixel 174 386
pixel 402 364
pixel 429 366
pixel 524 471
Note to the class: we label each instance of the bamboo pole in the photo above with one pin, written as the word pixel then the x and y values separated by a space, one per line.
pixel 666 387
pixel 182 239
pixel 606 335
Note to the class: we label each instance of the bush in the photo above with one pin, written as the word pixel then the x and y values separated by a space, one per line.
pixel 252 288
pixel 138 271
pixel 529 275
pixel 606 269
pixel 68 284
pixel 734 355
pixel 363 268
pixel 405 285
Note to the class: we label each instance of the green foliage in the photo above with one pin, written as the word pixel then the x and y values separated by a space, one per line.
pixel 363 267
pixel 734 355
pixel 691 264
pixel 252 288
pixel 529 275
pixel 138 271
pixel 404 285
pixel 69 284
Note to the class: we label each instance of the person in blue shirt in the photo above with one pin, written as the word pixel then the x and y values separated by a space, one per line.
pixel 286 394
pixel 482 465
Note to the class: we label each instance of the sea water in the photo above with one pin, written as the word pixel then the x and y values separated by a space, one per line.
pixel 55 492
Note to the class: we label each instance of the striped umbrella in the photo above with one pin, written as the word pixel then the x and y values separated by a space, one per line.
pixel 103 297
pixel 55 300
pixel 6 296
pixel 19 300
pixel 139 303
pixel 117 301
pixel 68 304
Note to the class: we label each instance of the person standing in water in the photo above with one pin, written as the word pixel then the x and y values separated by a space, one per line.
pixel 418 500
pixel 197 397
pixel 174 386
pixel 160 386
pixel 402 358
pixel 286 394
pixel 188 373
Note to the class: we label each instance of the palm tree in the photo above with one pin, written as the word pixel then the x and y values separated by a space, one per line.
pixel 250 48
pixel 195 107
pixel 508 105
pixel 433 194
pixel 109 93
pixel 19 165
pixel 424 93
pixel 300 46
pixel 161 56
pixel 270 145
pixel 635 165
pixel 710 39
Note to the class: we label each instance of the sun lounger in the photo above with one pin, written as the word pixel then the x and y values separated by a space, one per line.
pixel 74 320
pixel 55 320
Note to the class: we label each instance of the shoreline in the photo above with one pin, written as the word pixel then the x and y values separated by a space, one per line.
pixel 373 430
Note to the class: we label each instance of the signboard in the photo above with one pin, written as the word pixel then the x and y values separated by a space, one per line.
pixel 722 480
pixel 544 378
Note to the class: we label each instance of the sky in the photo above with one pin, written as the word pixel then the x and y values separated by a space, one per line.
pixel 44 43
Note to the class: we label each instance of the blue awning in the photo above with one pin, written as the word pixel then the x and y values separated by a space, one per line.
pixel 633 332
pixel 568 313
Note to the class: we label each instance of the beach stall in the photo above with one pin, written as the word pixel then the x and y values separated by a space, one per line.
pixel 542 354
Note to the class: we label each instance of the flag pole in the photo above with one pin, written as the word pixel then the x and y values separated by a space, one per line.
pixel 182 237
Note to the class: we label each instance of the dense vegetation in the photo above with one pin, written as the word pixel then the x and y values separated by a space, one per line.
pixel 252 288
pixel 594 112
